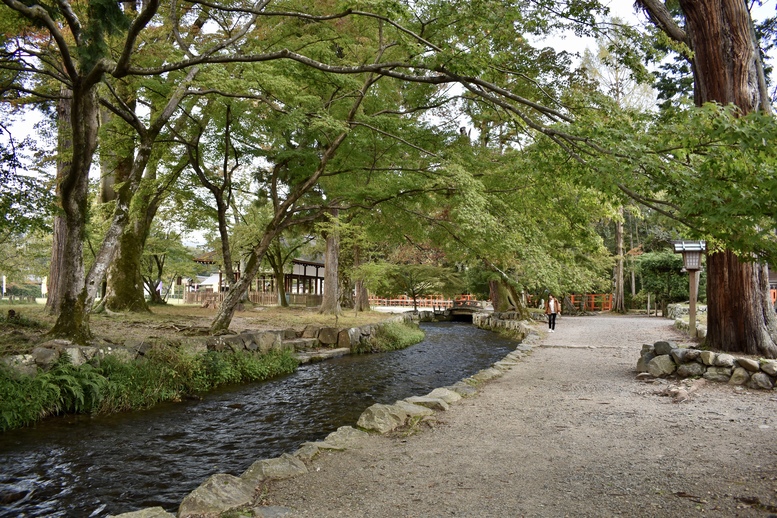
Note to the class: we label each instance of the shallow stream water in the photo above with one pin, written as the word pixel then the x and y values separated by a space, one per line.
pixel 84 466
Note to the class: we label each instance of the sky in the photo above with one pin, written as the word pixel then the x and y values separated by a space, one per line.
pixel 624 9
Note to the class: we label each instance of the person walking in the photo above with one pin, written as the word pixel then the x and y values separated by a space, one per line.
pixel 552 308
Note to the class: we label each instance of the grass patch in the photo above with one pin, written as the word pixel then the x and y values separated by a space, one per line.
pixel 392 336
pixel 113 385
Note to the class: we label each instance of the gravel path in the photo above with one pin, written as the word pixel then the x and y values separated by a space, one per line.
pixel 567 432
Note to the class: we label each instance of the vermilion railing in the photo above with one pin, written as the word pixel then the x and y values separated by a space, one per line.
pixel 592 301
pixel 404 301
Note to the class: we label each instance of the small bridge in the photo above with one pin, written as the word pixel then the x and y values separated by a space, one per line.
pixel 462 310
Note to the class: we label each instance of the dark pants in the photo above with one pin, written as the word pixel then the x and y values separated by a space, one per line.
pixel 551 321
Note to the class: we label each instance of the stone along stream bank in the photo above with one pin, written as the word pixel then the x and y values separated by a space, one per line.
pixel 83 466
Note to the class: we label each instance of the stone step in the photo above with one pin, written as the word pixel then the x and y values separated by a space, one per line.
pixel 322 354
pixel 301 344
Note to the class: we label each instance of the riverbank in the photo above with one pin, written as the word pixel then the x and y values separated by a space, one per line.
pixel 569 431
pixel 168 322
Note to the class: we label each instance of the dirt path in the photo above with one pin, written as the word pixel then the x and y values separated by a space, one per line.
pixel 567 432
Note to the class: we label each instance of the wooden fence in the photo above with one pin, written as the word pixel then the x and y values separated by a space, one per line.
pixel 407 302
pixel 263 298
pixel 592 302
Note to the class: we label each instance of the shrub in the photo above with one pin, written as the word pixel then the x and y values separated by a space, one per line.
pixel 114 385
pixel 65 388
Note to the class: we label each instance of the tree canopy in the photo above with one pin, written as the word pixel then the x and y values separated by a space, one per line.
pixel 437 125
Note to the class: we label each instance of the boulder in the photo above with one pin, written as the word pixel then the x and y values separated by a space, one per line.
pixel 435 403
pixel 149 512
pixel 722 374
pixel 748 364
pixel 691 370
pixel 464 389
pixel 413 410
pixel 692 355
pixel 307 451
pixel 75 354
pixel 661 365
pixel 311 331
pixel 234 343
pixel 88 352
pixel 268 340
pixel 328 335
pixel 216 343
pixel 724 360
pixel 249 340
pixel 740 376
pixel 487 375
pixel 22 363
pixel 663 347
pixel 644 360
pixel 445 394
pixel 349 337
pixel 45 357
pixel 218 494
pixel 382 418
pixel 761 380
pixel 285 466
pixel 289 333
pixel 769 367
pixel 344 437
pixel 708 357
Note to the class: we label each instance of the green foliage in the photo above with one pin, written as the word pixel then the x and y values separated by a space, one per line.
pixel 25 200
pixel 709 169
pixel 105 18
pixel 393 336
pixel 113 385
pixel 65 388
pixel 661 276
pixel 414 280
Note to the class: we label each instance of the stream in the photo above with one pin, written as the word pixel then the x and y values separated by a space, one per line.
pixel 82 466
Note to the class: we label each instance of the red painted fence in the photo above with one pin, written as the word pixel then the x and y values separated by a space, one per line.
pixel 593 302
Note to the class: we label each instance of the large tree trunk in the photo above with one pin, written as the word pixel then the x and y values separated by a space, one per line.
pixel 73 317
pixel 229 305
pixel 124 290
pixel 503 299
pixel 740 315
pixel 64 150
pixel 125 283
pixel 742 318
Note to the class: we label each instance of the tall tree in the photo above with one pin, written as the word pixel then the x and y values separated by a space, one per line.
pixel 727 69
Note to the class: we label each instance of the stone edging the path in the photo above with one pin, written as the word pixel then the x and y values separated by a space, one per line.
pixel 222 493
pixel 664 359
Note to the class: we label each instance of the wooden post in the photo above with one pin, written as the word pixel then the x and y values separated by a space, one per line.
pixel 694 282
